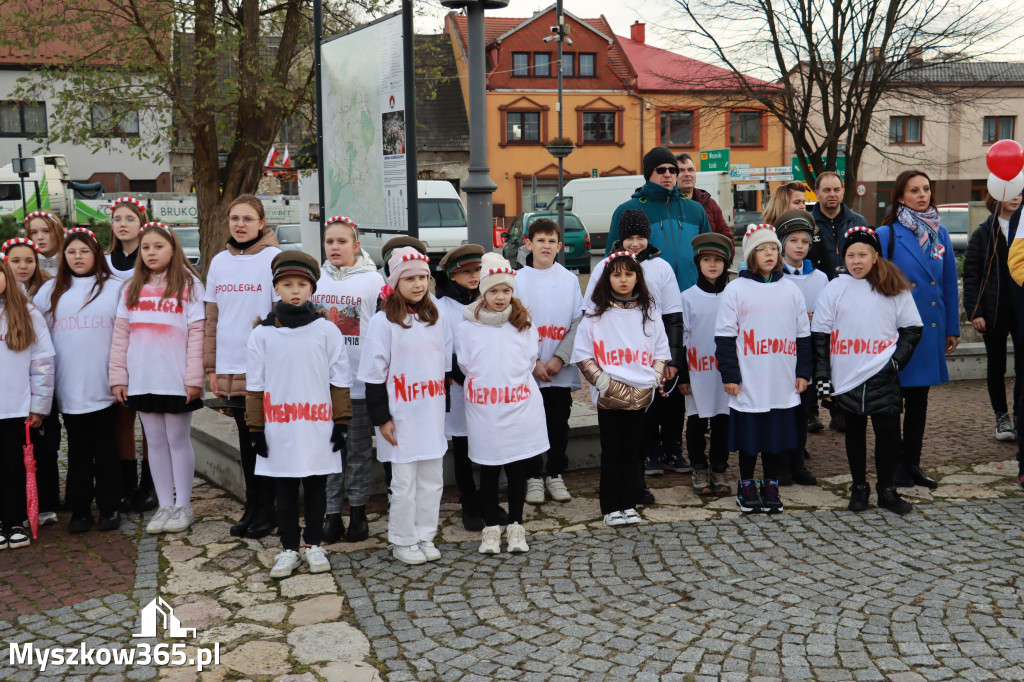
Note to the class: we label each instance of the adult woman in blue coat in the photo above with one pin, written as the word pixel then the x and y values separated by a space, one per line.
pixel 912 238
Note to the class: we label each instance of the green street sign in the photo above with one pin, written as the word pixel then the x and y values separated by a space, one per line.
pixel 798 174
pixel 593 172
pixel 714 160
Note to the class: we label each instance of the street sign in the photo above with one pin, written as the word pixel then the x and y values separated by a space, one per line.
pixel 798 174
pixel 773 173
pixel 714 160
pixel 862 189
pixel 748 186
pixel 24 167
pixel 593 172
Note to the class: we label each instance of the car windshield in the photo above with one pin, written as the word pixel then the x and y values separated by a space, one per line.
pixel 954 220
pixel 572 223
pixel 748 216
pixel 289 234
pixel 189 238
pixel 441 213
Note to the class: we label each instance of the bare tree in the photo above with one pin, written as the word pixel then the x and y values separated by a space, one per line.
pixel 833 62
pixel 217 75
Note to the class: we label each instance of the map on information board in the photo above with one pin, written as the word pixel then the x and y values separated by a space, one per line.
pixel 364 125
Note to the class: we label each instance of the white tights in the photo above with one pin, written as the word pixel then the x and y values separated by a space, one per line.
pixel 172 461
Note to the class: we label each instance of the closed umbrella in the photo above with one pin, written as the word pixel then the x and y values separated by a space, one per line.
pixel 31 490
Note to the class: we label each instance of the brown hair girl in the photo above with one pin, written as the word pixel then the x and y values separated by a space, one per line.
pixel 20 332
pixel 54 229
pixel 518 318
pixel 179 274
pixel 64 274
pixel 396 308
pixel 603 296
pixel 898 189
pixel 133 205
pixel 26 250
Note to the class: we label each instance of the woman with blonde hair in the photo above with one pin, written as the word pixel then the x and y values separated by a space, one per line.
pixel 786 197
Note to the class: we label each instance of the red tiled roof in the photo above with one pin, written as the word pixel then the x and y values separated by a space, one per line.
pixel 662 70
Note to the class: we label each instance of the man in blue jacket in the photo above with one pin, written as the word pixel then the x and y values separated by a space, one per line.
pixel 833 218
pixel 675 220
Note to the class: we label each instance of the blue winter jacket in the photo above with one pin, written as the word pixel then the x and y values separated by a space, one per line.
pixel 934 287
pixel 675 220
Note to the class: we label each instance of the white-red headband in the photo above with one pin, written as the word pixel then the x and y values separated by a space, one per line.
pixel 127 200
pixel 149 225
pixel 340 219
pixel 859 228
pixel 416 256
pixel 501 271
pixel 618 254
pixel 80 230
pixel 751 229
pixel 20 241
pixel 37 214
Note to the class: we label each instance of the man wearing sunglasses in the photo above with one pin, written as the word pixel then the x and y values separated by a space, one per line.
pixel 675 220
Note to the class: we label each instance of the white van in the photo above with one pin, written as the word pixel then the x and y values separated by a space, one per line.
pixel 594 200
pixel 51 178
pixel 442 222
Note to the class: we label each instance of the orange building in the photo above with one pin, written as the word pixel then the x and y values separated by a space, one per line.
pixel 617 104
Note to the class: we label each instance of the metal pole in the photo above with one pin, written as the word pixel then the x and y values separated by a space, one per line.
pixel 560 201
pixel 409 66
pixel 318 35
pixel 478 186
pixel 24 206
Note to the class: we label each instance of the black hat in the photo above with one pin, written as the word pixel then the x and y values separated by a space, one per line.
pixel 655 158
pixel 864 235
pixel 632 223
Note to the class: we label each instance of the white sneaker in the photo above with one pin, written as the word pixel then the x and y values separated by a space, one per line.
pixel 46 518
pixel 159 519
pixel 615 518
pixel 535 491
pixel 284 563
pixel 411 555
pixel 556 489
pixel 490 540
pixel 180 520
pixel 515 536
pixel 632 517
pixel 316 559
pixel 429 551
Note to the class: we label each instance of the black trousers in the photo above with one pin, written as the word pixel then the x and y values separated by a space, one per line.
pixel 557 408
pixel 13 505
pixel 887 446
pixel 463 468
pixel 621 457
pixel 314 489
pixel 663 425
pixel 46 445
pixel 995 374
pixel 515 472
pixel 915 405
pixel 259 490
pixel 94 469
pixel 719 450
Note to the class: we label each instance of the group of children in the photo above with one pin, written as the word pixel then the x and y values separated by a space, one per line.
pixel 308 358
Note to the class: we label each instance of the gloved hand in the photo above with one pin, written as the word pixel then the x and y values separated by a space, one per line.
pixel 824 387
pixel 338 436
pixel 602 383
pixel 258 440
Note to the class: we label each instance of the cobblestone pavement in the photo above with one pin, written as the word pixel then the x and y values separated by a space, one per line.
pixel 819 595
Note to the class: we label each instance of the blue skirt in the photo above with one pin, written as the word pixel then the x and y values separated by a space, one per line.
pixel 774 431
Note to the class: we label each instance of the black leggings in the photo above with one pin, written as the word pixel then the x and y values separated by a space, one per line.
pixel 995 375
pixel 515 472
pixel 769 462
pixel 46 442
pixel 463 468
pixel 314 490
pixel 13 506
pixel 887 446
pixel 915 403
pixel 621 458
pixel 259 490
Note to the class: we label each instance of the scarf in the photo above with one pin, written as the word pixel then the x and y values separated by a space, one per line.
pixel 291 316
pixel 363 264
pixel 122 261
pixel 716 287
pixel 478 313
pixel 242 246
pixel 925 227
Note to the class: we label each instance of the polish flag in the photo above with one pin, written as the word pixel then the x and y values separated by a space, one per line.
pixel 287 163
pixel 271 158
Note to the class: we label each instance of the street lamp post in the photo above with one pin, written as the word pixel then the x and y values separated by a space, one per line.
pixel 478 186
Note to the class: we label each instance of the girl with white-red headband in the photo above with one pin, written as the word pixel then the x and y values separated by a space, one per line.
pixel 23 256
pixel 79 306
pixel 127 215
pixel 47 231
pixel 408 350
pixel 156 366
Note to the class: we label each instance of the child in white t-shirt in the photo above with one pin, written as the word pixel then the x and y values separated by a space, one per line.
pixel 347 292
pixel 763 348
pixel 621 348
pixel 297 407
pixel 497 348
pixel 552 295
pixel 408 351
pixel 865 330
pixel 699 378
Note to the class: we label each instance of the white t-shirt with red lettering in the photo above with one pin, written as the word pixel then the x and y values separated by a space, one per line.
pixel 661 284
pixel 554 300
pixel 623 344
pixel 15 367
pixel 863 324
pixel 349 304
pixel 412 363
pixel 242 286
pixel 158 342
pixel 504 409
pixel 295 368
pixel 766 320
pixel 700 310
pixel 82 331
pixel 455 417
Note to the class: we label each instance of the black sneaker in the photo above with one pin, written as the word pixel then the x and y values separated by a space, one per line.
pixel 771 503
pixel 110 522
pixel 814 424
pixel 747 498
pixel 889 499
pixel 17 537
pixel 860 493
pixel 645 497
pixel 653 466
pixel 80 523
pixel 800 475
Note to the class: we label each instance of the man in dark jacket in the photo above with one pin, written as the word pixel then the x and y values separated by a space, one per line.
pixel 833 218
pixel 688 188
pixel 675 220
